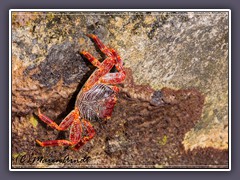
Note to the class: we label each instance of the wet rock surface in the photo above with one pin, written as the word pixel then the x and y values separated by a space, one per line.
pixel 172 111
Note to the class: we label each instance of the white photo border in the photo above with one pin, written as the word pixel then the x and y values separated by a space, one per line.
pixel 118 10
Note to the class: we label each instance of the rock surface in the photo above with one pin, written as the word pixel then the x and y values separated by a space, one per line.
pixel 163 51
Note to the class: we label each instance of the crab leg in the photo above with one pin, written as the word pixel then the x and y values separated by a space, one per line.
pixel 113 78
pixel 107 51
pixel 91 58
pixel 55 143
pixel 119 61
pixel 100 45
pixel 75 132
pixel 67 121
pixel 75 136
pixel 90 130
pixel 90 134
pixel 105 67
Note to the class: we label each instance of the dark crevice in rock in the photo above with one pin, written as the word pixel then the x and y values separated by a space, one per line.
pixel 62 62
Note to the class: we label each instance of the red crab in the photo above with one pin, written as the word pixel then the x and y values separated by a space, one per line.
pixel 96 99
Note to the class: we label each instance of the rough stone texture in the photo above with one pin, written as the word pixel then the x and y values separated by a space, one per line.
pixel 153 125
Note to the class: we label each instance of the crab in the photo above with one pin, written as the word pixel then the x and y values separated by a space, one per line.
pixel 96 99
